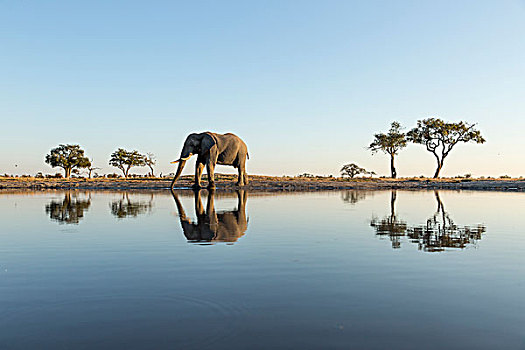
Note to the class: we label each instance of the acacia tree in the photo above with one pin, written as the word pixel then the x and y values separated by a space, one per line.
pixel 351 170
pixel 439 137
pixel 150 161
pixel 390 143
pixel 124 160
pixel 67 157
pixel 91 168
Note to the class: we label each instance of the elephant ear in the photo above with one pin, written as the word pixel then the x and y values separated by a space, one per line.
pixel 208 142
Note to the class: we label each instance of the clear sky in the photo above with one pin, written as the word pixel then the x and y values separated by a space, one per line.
pixel 305 83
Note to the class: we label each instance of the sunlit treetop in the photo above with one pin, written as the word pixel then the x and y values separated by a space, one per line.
pixel 68 157
pixel 439 137
pixel 390 143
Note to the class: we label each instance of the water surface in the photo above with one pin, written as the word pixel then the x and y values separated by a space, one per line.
pixel 350 269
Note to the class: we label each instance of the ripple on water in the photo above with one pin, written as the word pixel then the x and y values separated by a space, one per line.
pixel 177 319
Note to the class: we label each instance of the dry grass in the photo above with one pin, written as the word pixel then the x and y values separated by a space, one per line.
pixel 261 182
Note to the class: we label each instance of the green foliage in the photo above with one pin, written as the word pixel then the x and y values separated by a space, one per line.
pixel 124 160
pixel 68 157
pixel 390 143
pixel 351 170
pixel 439 137
pixel 150 161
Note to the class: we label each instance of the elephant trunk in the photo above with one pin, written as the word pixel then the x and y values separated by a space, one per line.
pixel 180 208
pixel 182 162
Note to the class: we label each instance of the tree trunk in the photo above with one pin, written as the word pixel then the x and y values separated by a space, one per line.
pixel 67 173
pixel 392 168
pixel 439 165
pixel 438 169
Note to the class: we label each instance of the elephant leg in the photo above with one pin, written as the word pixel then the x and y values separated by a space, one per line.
pixel 210 168
pixel 243 179
pixel 199 167
pixel 240 178
pixel 210 210
pixel 245 176
pixel 199 208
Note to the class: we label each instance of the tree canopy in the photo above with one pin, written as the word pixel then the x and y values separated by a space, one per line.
pixel 150 161
pixel 67 157
pixel 390 143
pixel 124 160
pixel 351 170
pixel 439 137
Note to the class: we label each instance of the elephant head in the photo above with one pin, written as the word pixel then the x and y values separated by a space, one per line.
pixel 199 144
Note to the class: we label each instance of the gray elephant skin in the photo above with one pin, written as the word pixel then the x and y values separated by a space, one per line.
pixel 211 226
pixel 212 149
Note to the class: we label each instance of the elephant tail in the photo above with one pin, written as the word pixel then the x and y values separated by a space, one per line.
pixel 247 155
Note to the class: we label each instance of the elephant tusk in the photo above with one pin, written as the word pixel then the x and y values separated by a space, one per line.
pixel 181 159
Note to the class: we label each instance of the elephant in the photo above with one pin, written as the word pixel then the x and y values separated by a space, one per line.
pixel 212 149
pixel 212 227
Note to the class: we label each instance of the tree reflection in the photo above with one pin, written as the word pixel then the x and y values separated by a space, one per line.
pixel 68 211
pixel 212 226
pixel 354 196
pixel 125 207
pixel 391 225
pixel 438 234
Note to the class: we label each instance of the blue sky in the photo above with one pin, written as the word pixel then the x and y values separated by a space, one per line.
pixel 305 83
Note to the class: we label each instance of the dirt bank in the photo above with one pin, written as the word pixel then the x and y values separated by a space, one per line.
pixel 265 183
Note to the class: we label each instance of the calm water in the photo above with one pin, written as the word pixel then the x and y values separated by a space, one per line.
pixel 364 270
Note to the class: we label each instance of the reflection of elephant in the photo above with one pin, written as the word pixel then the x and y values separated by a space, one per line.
pixel 212 149
pixel 226 226
pixel 68 211
pixel 127 208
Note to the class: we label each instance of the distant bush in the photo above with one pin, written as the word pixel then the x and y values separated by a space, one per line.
pixel 39 175
pixel 307 175
pixel 112 176
pixel 351 170
pixel 504 177
pixel 56 176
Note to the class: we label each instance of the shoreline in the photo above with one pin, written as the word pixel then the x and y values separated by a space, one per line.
pixel 266 183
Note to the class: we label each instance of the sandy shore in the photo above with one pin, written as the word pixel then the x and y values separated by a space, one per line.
pixel 266 183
